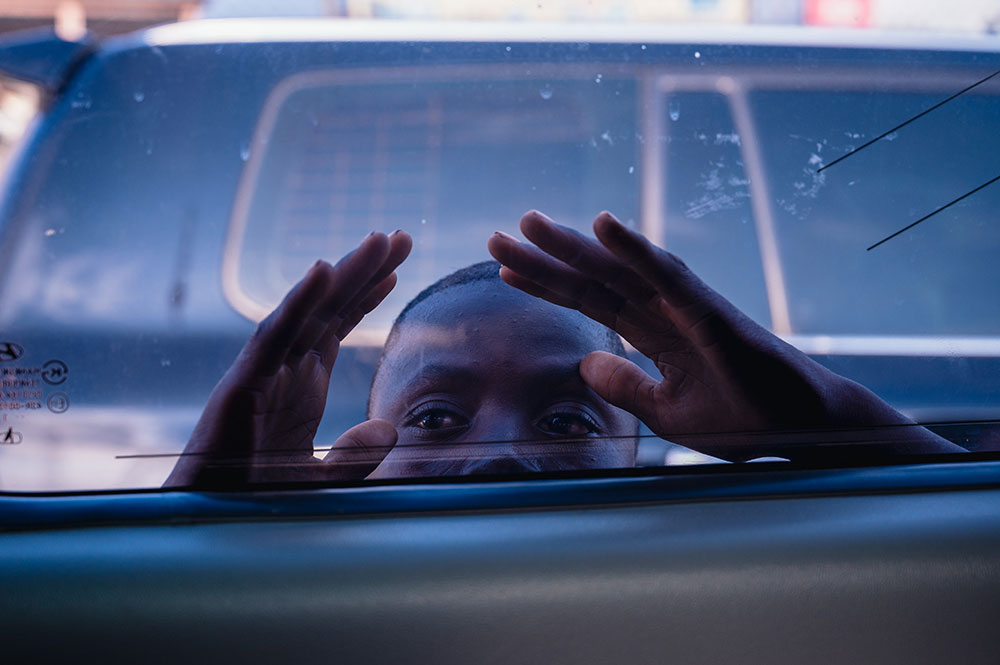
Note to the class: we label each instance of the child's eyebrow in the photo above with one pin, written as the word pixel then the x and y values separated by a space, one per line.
pixel 436 374
pixel 549 375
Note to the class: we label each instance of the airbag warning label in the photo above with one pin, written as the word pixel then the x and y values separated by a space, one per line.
pixel 24 389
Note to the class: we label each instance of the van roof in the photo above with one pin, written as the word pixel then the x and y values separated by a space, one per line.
pixel 218 31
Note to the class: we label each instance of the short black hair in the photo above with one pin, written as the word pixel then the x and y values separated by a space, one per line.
pixel 478 272
pixel 486 271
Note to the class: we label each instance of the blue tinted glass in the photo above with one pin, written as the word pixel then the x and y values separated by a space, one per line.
pixel 709 221
pixel 936 279
pixel 442 160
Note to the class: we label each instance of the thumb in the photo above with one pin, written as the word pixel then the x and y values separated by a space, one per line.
pixel 622 383
pixel 359 450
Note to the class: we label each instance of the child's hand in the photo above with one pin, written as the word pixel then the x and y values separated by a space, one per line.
pixel 722 374
pixel 260 420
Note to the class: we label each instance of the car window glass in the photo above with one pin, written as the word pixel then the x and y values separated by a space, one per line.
pixel 151 222
pixel 931 281
pixel 707 216
pixel 440 153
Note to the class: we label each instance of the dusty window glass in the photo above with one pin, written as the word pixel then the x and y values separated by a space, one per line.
pixel 931 282
pixel 161 208
pixel 707 214
pixel 444 153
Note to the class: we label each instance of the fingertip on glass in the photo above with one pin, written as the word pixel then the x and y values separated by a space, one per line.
pixel 608 216
pixel 610 223
pixel 535 214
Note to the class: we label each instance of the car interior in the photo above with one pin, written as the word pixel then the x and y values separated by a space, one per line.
pixel 806 212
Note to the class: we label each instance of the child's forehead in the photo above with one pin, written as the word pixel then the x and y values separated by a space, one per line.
pixel 491 321
pixel 478 346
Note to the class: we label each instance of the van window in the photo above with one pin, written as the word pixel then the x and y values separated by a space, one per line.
pixel 443 153
pixel 150 222
pixel 935 280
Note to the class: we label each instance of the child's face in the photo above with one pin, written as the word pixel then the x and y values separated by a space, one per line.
pixel 484 379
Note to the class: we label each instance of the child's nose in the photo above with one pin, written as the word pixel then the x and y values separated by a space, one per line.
pixel 504 464
pixel 494 442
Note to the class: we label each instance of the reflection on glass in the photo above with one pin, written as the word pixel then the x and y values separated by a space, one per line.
pixel 149 223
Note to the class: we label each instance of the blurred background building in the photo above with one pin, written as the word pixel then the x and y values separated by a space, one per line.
pixel 108 17
pixel 102 17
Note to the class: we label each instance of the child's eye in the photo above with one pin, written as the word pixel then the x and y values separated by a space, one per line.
pixel 436 418
pixel 568 424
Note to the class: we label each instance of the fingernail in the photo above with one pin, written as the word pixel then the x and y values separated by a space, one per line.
pixel 314 267
pixel 505 236
pixel 370 234
pixel 395 232
pixel 615 225
pixel 678 259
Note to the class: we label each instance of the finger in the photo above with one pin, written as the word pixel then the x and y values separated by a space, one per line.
pixel 348 280
pixel 666 273
pixel 372 300
pixel 698 311
pixel 400 244
pixel 317 336
pixel 624 384
pixel 352 274
pixel 276 337
pixel 573 288
pixel 271 342
pixel 522 283
pixel 538 274
pixel 360 449
pixel 634 326
pixel 585 254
